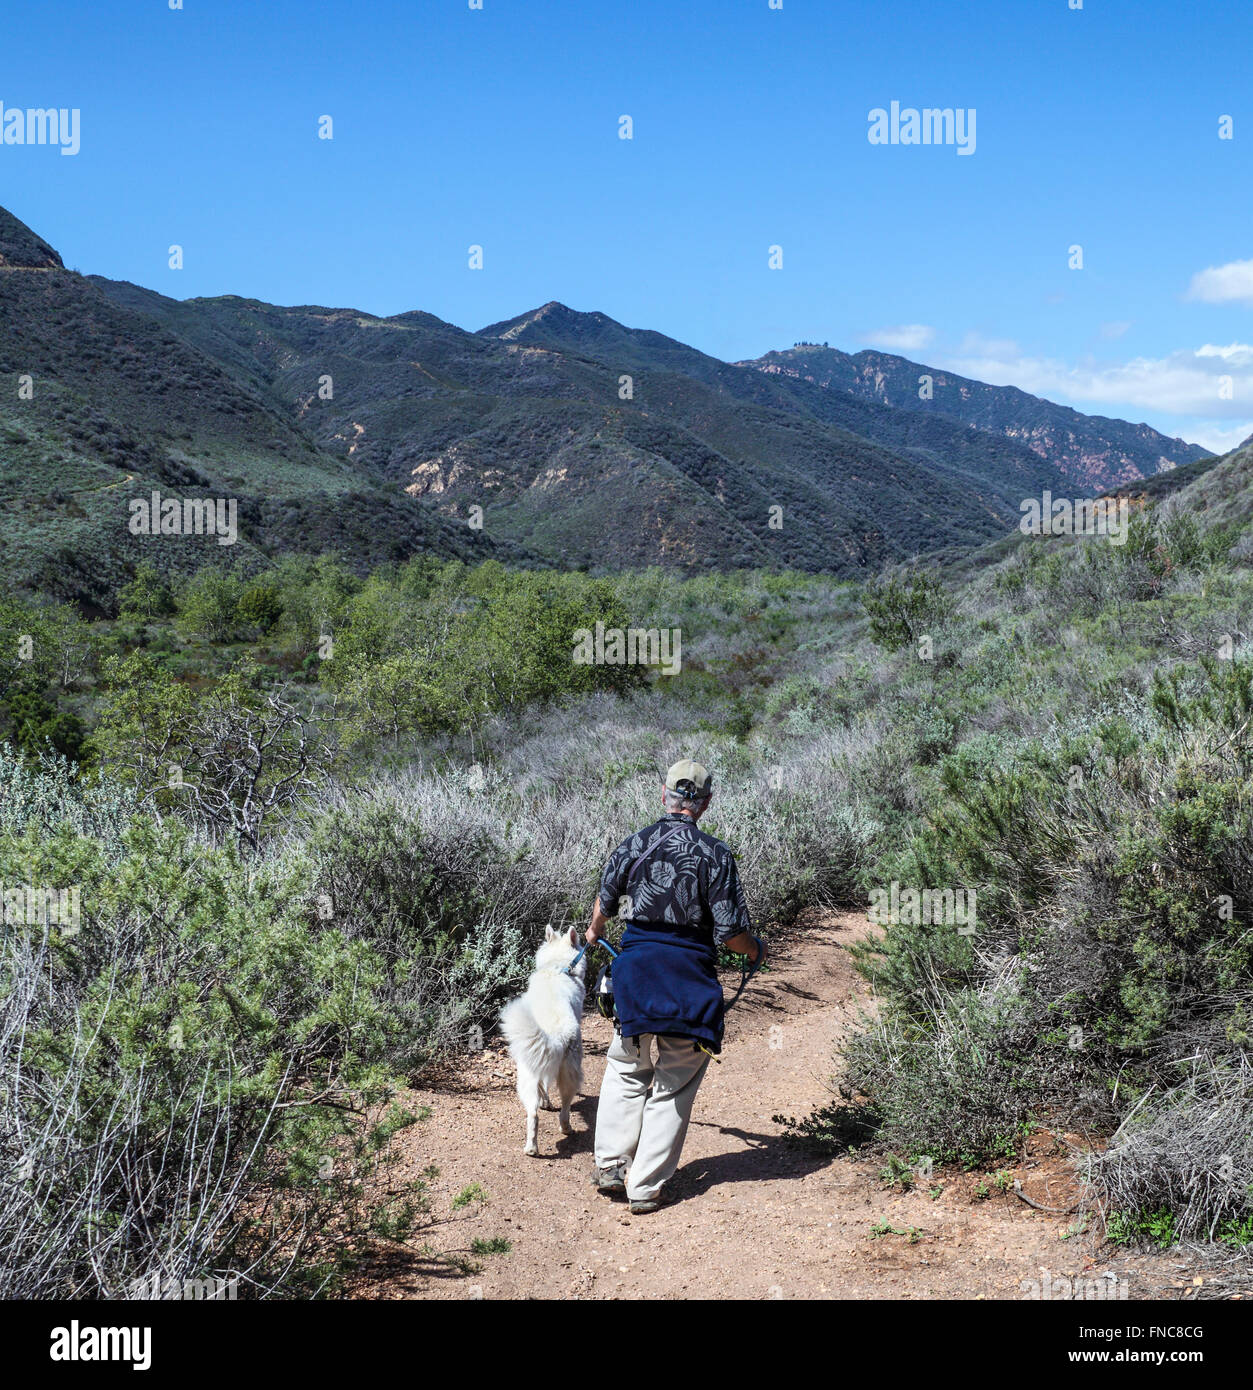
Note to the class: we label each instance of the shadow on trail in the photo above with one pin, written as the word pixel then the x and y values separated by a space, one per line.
pixel 763 1157
pixel 568 1145
pixel 779 998
pixel 404 1267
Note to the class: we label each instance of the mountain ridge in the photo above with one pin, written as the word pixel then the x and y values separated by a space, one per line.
pixel 569 438
pixel 1094 450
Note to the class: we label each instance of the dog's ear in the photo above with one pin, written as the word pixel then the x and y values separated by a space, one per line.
pixel 548 932
pixel 574 936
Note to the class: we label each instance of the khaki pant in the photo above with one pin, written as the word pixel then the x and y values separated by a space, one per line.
pixel 645 1107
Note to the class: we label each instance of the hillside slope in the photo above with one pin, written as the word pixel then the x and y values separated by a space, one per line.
pixel 993 472
pixel 113 404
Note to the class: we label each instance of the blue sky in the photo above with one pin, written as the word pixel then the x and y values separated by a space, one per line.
pixel 499 127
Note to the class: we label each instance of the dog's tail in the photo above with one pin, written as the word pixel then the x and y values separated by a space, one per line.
pixel 532 1049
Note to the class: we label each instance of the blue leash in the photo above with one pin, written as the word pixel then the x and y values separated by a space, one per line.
pixel 570 968
pixel 748 971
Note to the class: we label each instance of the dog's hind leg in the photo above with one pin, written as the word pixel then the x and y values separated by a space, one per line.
pixel 529 1091
pixel 569 1078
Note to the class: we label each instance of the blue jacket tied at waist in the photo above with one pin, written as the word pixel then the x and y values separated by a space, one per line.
pixel 665 982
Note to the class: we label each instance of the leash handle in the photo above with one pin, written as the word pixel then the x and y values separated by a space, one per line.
pixel 569 968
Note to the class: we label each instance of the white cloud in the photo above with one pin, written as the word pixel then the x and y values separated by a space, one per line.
pixel 1207 390
pixel 907 337
pixel 1220 439
pixel 1241 354
pixel 976 345
pixel 1211 381
pixel 1224 284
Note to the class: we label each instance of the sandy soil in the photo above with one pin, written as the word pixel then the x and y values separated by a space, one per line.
pixel 754 1216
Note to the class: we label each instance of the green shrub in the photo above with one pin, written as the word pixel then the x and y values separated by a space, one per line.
pixel 37 723
pixel 451 911
pixel 260 605
pixel 197 1051
pixel 1115 883
pixel 208 605
pixel 962 1090
pixel 904 608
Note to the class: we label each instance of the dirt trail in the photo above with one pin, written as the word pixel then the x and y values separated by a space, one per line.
pixel 755 1216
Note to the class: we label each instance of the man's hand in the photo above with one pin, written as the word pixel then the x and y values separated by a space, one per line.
pixel 599 922
pixel 744 945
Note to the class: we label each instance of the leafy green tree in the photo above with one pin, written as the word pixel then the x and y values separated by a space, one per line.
pixel 315 592
pixel 260 604
pixel 402 694
pixel 523 638
pixel 904 608
pixel 147 596
pixel 231 757
pixel 37 722
pixel 208 606
pixel 42 646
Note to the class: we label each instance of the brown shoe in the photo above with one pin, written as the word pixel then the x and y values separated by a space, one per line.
pixel 612 1180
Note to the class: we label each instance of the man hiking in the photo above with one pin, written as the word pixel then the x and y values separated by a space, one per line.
pixel 678 892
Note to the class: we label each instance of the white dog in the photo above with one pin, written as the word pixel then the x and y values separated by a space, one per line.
pixel 544 1029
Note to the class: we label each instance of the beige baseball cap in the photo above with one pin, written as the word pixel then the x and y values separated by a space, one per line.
pixel 685 770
